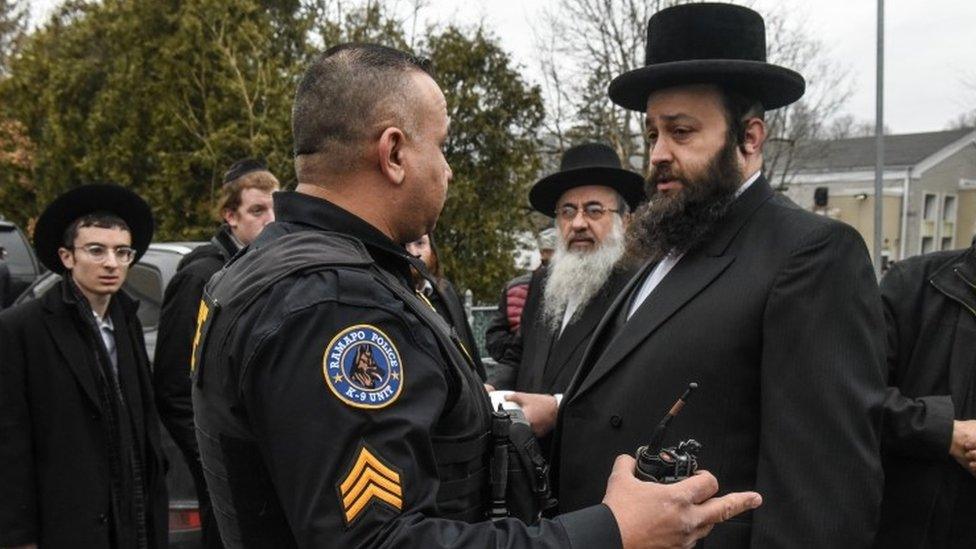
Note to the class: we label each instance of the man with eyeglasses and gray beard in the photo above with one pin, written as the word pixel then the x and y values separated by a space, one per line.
pixel 590 198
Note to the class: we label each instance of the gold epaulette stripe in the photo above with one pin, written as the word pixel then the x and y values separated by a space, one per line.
pixel 369 478
pixel 368 495
pixel 365 457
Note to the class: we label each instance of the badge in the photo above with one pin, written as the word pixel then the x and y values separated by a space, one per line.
pixel 368 480
pixel 203 313
pixel 362 367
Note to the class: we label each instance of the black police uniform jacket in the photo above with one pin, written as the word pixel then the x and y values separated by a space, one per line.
pixel 778 318
pixel 539 360
pixel 294 451
pixel 171 365
pixel 930 308
pixel 55 480
pixel 447 302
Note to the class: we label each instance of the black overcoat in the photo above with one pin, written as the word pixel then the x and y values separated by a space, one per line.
pixel 540 361
pixel 54 461
pixel 778 318
pixel 930 308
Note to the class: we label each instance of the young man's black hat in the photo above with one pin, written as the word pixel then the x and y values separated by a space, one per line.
pixel 88 199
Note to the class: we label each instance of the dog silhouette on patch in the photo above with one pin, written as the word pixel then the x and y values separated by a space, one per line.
pixel 365 370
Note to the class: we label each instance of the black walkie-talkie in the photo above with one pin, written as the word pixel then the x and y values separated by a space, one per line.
pixel 668 465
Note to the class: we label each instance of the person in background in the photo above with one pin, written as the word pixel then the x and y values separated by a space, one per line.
pixel 244 208
pixel 444 297
pixel 590 199
pixel 81 464
pixel 929 442
pixel 503 330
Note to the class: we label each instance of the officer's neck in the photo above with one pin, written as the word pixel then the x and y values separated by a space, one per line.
pixel 371 211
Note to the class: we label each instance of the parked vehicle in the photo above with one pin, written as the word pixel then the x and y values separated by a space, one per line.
pixel 146 282
pixel 21 259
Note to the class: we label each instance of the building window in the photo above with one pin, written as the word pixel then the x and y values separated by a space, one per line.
pixel 930 219
pixel 947 230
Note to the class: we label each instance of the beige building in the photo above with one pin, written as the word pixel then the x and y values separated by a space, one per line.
pixel 929 188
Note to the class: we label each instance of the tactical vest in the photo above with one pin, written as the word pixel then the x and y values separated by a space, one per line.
pixel 249 513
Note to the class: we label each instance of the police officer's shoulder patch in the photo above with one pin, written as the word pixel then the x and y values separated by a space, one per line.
pixel 362 367
pixel 368 479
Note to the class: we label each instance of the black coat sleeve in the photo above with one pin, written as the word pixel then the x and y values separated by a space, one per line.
pixel 823 360
pixel 459 319
pixel 919 427
pixel 310 437
pixel 18 503
pixel 171 366
pixel 498 335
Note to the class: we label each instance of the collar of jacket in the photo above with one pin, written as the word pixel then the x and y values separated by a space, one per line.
pixel 740 211
pixel 957 279
pixel 225 242
pixel 318 213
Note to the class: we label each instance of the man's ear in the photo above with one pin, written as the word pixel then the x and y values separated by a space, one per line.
pixel 229 217
pixel 67 258
pixel 753 137
pixel 390 149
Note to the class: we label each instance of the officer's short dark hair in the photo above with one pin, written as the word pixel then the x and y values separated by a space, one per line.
pixel 346 93
pixel 100 219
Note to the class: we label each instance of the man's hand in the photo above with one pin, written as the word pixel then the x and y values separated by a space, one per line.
pixel 971 457
pixel 963 447
pixel 489 388
pixel 539 409
pixel 652 515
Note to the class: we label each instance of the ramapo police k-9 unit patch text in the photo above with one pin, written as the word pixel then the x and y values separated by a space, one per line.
pixel 362 367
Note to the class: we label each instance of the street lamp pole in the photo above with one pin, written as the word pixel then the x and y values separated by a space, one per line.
pixel 879 144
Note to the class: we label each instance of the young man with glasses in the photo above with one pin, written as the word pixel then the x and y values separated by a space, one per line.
pixel 590 199
pixel 80 458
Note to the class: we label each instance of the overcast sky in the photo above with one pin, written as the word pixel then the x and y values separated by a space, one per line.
pixel 930 49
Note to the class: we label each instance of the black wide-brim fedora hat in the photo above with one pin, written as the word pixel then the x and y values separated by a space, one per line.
pixel 587 164
pixel 84 200
pixel 707 43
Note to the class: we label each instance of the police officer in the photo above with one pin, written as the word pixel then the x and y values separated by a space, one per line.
pixel 333 406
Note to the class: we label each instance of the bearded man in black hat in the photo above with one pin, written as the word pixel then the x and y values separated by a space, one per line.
pixel 590 199
pixel 244 207
pixel 772 310
pixel 80 458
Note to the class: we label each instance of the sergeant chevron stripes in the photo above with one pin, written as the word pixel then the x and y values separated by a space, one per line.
pixel 369 479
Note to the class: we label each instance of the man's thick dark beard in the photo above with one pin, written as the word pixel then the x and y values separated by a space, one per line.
pixel 681 222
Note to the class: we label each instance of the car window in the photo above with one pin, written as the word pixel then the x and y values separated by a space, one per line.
pixel 41 287
pixel 145 283
pixel 18 254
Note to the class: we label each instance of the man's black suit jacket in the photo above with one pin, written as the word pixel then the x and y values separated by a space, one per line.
pixel 778 318
pixel 540 361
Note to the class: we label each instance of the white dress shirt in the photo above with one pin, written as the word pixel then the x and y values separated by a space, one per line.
pixel 664 266
pixel 107 331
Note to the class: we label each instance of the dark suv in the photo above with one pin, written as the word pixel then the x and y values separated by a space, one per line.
pixel 21 261
pixel 146 282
